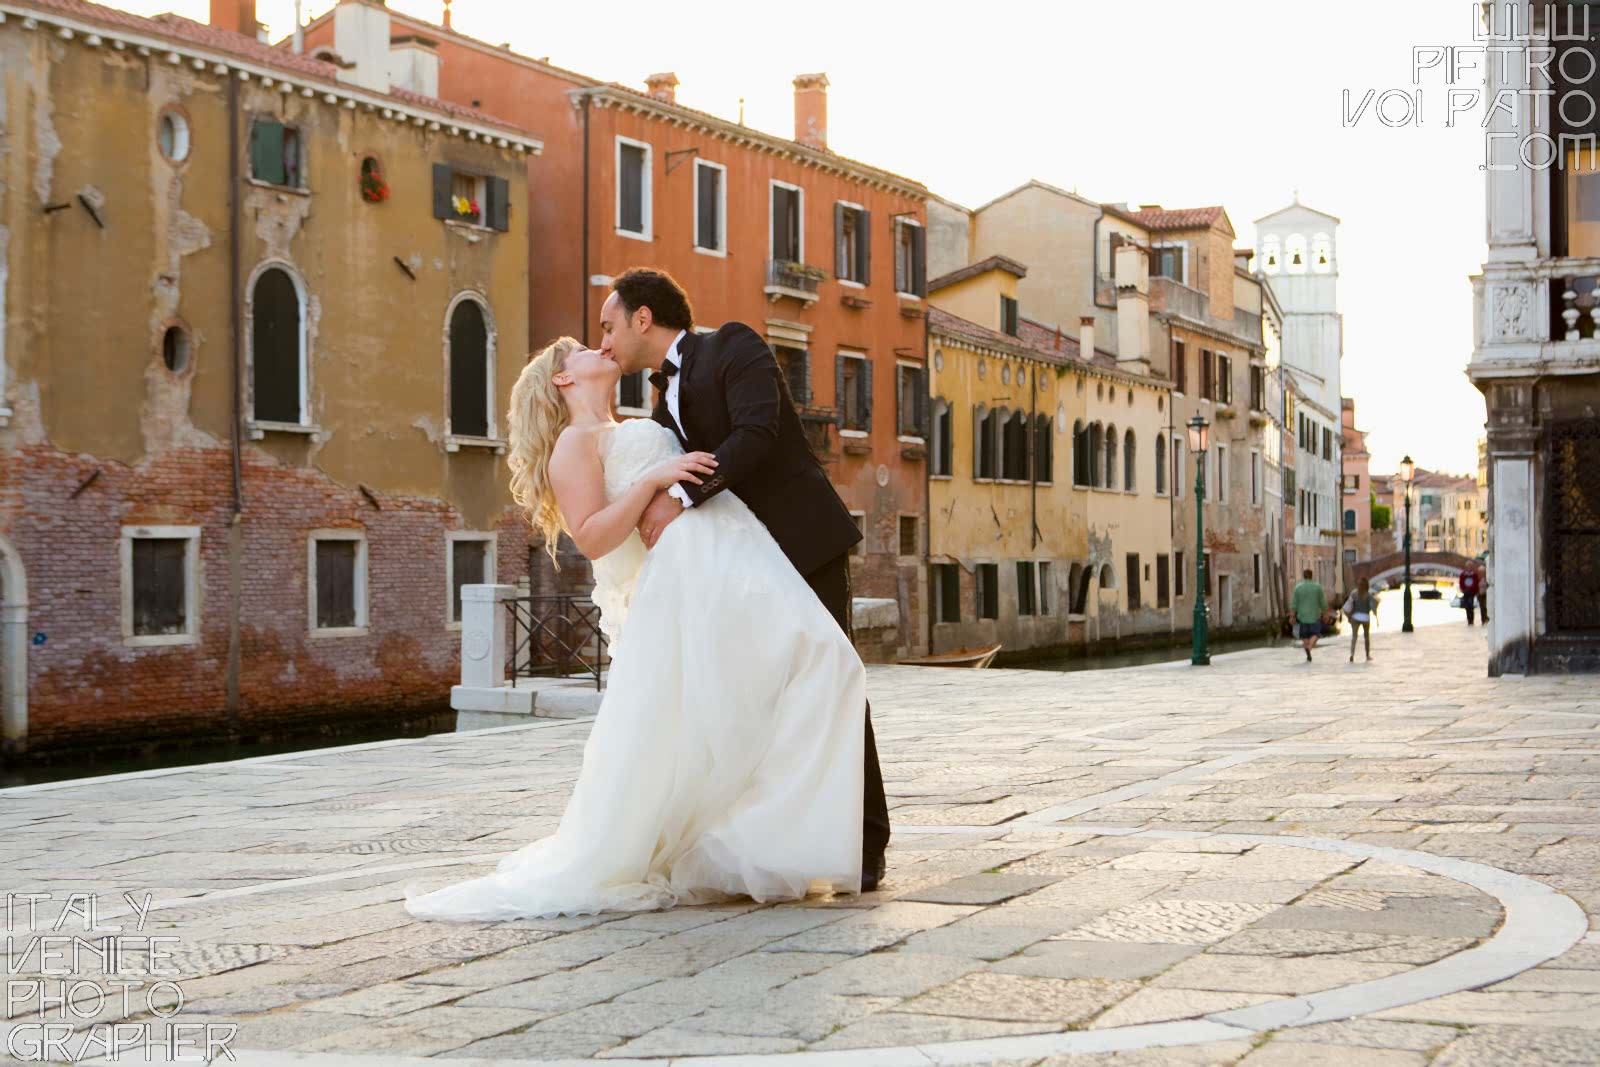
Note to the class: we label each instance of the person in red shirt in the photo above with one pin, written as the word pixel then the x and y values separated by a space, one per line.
pixel 1470 585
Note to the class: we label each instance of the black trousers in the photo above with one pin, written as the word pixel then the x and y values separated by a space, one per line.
pixel 831 583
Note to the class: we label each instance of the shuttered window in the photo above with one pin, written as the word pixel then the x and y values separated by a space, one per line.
pixel 336 584
pixel 469 371
pixel 1163 581
pixel 787 246
pixel 277 365
pixel 469 565
pixel 854 382
pixel 709 201
pixel 1180 368
pixel 160 589
pixel 633 188
pixel 452 187
pixel 911 406
pixel 910 259
pixel 795 364
pixel 1133 581
pixel 1009 316
pixel 852 243
pixel 276 153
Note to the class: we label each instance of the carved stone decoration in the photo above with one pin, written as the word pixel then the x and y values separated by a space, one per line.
pixel 1513 312
pixel 476 644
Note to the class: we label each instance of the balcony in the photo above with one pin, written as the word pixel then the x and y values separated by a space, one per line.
pixel 1575 307
pixel 794 280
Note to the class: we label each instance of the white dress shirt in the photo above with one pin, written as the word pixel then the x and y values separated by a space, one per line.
pixel 676 491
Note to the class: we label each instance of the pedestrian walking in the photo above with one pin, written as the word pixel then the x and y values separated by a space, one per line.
pixel 1469 592
pixel 1309 604
pixel 1359 608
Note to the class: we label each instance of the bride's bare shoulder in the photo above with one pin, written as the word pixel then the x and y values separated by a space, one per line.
pixel 578 444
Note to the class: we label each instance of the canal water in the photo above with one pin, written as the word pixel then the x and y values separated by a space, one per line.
pixel 1424 613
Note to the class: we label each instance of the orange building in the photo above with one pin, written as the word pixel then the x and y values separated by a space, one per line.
pixel 822 255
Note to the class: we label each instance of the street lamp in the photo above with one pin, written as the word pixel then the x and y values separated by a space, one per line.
pixel 1199 442
pixel 1408 470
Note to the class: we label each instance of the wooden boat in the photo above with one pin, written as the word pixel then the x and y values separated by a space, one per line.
pixel 976 658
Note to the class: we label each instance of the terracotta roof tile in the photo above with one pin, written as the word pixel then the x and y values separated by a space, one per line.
pixel 1155 218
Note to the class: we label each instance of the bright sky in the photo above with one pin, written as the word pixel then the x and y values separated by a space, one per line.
pixel 1237 102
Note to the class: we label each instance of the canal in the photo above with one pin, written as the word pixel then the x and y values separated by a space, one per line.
pixel 1424 613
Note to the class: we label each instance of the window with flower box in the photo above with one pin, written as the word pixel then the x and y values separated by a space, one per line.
pixel 468 197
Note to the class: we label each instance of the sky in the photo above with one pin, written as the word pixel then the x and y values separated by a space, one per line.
pixel 1233 102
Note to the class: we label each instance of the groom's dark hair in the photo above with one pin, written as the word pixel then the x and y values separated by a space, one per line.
pixel 640 287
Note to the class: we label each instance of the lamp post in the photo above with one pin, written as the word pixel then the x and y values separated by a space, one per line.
pixel 1408 470
pixel 1199 442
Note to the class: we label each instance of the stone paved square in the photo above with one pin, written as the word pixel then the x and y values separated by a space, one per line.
pixel 1177 853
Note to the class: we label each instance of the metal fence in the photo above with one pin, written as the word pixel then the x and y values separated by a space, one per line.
pixel 555 635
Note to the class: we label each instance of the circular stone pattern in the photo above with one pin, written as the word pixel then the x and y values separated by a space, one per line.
pixel 1071 940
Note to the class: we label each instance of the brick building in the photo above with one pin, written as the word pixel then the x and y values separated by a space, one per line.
pixel 822 255
pixel 259 314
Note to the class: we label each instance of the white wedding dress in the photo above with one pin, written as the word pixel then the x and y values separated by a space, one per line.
pixel 726 758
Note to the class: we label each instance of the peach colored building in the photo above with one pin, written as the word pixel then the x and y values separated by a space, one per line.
pixel 822 255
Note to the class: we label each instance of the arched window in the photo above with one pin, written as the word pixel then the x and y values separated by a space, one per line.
pixel 1350 520
pixel 1294 253
pixel 1111 457
pixel 277 348
pixel 1016 446
pixel 1097 444
pixel 1130 448
pixel 470 364
pixel 1044 460
pixel 1108 577
pixel 1322 253
pixel 942 452
pixel 1271 255
pixel 1161 464
pixel 1080 453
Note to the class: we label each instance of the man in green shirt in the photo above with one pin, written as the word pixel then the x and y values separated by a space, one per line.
pixel 1309 603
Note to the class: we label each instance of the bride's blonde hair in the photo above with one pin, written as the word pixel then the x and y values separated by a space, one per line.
pixel 538 415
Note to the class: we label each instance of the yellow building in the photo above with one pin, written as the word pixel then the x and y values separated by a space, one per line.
pixel 1049 509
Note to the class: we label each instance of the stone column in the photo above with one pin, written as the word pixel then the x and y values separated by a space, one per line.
pixel 13 650
pixel 483 635
pixel 1514 578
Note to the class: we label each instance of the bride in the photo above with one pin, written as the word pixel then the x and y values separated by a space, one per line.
pixel 726 758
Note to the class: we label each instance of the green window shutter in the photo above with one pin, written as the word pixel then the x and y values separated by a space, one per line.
pixel 442 175
pixel 266 152
pixel 866 394
pixel 498 209
pixel 919 261
pixel 841 267
pixel 838 389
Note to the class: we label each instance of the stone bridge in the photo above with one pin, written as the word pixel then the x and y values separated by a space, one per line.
pixel 1448 564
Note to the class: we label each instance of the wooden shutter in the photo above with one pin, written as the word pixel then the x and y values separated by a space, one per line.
pixel 630 189
pixel 841 263
pixel 336 584
pixel 864 247
pixel 1180 367
pixel 709 232
pixel 919 261
pixel 498 193
pixel 921 383
pixel 866 394
pixel 443 177
pixel 838 390
pixel 266 152
pixel 159 594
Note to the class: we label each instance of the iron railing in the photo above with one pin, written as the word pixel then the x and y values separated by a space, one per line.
pixel 555 635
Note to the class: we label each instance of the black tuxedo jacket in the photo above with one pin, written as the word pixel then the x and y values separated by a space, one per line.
pixel 735 403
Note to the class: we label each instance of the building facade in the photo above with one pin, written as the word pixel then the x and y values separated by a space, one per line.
pixel 253 363
pixel 1355 491
pixel 822 255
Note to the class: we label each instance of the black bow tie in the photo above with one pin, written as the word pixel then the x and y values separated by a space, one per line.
pixel 659 378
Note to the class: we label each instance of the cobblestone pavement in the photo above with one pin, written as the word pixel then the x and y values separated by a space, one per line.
pixel 1263 862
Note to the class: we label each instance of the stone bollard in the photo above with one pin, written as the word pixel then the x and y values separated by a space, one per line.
pixel 483 635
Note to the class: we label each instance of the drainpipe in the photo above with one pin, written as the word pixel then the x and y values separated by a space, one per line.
pixel 236 324
pixel 927 483
pixel 583 303
pixel 14 653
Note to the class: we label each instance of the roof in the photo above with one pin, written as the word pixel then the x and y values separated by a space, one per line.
pixel 1035 340
pixel 1159 218
pixel 180 32
pixel 1034 183
pixel 983 266
pixel 1291 207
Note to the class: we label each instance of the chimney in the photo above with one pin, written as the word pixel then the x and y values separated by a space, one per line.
pixel 811 110
pixel 414 64
pixel 239 16
pixel 361 37
pixel 1086 337
pixel 663 87
pixel 1133 308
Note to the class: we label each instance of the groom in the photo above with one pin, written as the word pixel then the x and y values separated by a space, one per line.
pixel 723 392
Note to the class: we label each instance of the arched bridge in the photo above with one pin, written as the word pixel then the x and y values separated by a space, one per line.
pixel 1385 568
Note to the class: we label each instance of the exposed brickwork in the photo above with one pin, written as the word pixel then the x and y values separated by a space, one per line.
pixel 88 687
